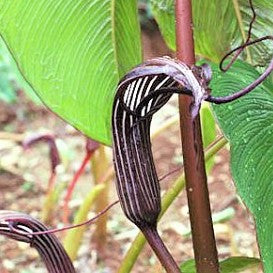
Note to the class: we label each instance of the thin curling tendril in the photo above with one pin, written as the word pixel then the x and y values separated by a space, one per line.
pixel 250 87
pixel 12 224
pixel 240 48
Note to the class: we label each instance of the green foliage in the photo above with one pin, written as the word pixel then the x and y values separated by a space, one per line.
pixel 247 123
pixel 262 52
pixel 73 53
pixel 208 126
pixel 210 19
pixel 10 78
pixel 7 92
pixel 164 14
pixel 208 131
pixel 218 217
pixel 216 26
pixel 230 265
pixel 238 264
pixel 145 13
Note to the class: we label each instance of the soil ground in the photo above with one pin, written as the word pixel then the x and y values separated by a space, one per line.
pixel 24 176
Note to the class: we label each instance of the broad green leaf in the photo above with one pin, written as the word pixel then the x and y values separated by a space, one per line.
pixel 230 265
pixel 217 27
pixel 238 264
pixel 73 52
pixel 248 125
pixel 213 25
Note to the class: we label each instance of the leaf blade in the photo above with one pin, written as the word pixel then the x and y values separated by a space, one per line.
pixel 216 27
pixel 247 123
pixel 210 19
pixel 67 51
pixel 229 265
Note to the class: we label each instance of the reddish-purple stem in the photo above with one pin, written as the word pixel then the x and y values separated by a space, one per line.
pixel 204 244
pixel 53 152
pixel 72 184
pixel 91 147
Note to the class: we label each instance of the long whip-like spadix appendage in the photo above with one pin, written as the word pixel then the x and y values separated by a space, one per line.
pixel 50 249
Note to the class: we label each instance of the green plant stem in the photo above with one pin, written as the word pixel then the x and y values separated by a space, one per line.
pixel 99 165
pixel 179 184
pixel 241 26
pixel 204 244
pixel 50 200
pixel 73 238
